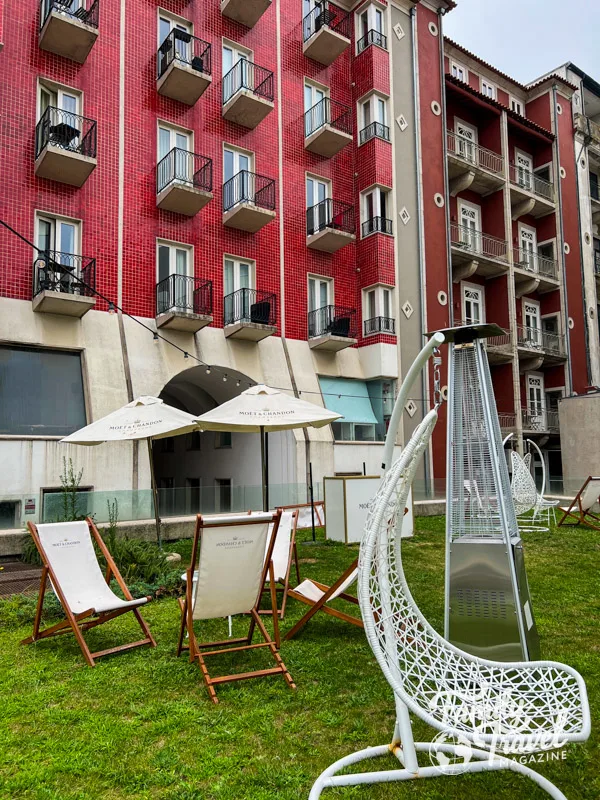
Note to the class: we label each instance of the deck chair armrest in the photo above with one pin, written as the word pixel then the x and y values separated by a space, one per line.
pixel 112 567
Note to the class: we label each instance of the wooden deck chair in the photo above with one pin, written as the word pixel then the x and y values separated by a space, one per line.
pixel 285 552
pixel 580 509
pixel 70 562
pixel 305 513
pixel 232 571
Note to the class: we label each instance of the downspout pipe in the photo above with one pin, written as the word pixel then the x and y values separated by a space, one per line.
pixel 442 13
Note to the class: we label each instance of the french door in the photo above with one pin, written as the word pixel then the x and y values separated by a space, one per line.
pixel 63 119
pixel 240 78
pixel 59 239
pixel 535 401
pixel 313 96
pixel 319 293
pixel 473 304
pixel 528 258
pixel 524 170
pixel 181 167
pixel 237 275
pixel 236 163
pixel 533 327
pixel 466 141
pixel 317 217
pixel 470 226
pixel 178 293
pixel 181 42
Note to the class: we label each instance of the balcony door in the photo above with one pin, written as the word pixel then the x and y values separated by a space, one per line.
pixel 317 217
pixel 233 81
pixel 528 239
pixel 524 170
pixel 533 325
pixel 535 401
pixel 473 302
pixel 470 226
pixel 179 46
pixel 320 293
pixel 314 95
pixel 60 240
pixel 63 120
pixel 174 268
pixel 180 167
pixel 466 141
pixel 235 162
pixel 238 275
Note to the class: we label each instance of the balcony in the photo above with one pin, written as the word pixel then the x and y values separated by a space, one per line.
pixel 327 127
pixel 64 283
pixel 332 328
pixel 376 130
pixel 590 130
pixel 476 252
pixel 68 28
pixel 183 303
pixel 183 182
pixel 540 421
pixel 246 12
pixel 65 147
pixel 249 314
pixel 530 194
pixel 247 94
pixel 248 201
pixel 377 325
pixel 508 422
pixel 543 347
pixel 534 272
pixel 330 226
pixel 471 166
pixel 184 65
pixel 326 32
pixel 372 37
pixel 376 225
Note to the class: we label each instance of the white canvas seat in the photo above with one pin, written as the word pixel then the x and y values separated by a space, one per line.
pixel 581 509
pixel 234 557
pixel 492 709
pixel 284 553
pixel 71 565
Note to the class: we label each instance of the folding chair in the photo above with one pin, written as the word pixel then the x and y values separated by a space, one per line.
pixel 70 562
pixel 284 553
pixel 305 513
pixel 581 507
pixel 232 571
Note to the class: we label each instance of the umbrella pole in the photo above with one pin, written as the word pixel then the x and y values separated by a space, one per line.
pixel 312 503
pixel 264 468
pixel 154 493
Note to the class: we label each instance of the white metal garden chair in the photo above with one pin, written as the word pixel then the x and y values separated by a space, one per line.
pixel 493 710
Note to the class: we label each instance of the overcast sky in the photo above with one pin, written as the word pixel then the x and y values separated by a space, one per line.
pixel 527 38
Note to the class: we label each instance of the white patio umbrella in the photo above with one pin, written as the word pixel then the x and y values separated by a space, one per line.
pixel 261 409
pixel 144 418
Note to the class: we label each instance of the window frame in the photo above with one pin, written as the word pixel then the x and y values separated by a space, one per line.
pixel 53 86
pixel 380 290
pixel 370 10
pixel 517 106
pixel 173 247
pixel 174 20
pixel 330 290
pixel 458 66
pixel 52 217
pixel 237 262
pixel 173 130
pixel 487 84
pixel 377 191
pixel 467 286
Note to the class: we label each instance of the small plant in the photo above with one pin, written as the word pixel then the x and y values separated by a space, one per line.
pixel 70 481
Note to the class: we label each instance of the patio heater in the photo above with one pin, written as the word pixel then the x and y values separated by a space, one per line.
pixel 488 607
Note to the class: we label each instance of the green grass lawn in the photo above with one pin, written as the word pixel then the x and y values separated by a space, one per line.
pixel 140 724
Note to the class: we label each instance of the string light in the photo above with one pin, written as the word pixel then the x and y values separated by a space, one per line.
pixel 111 308
pixel 224 378
pixel 208 370
pixel 237 383
pixel 155 337
pixel 185 355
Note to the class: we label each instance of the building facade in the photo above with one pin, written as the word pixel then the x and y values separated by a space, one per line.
pixel 290 193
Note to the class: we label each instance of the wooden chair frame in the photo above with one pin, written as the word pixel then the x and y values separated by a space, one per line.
pixel 319 507
pixel 201 650
pixel 83 621
pixel 580 515
pixel 283 587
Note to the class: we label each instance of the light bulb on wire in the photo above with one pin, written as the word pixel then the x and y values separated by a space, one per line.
pixel 111 308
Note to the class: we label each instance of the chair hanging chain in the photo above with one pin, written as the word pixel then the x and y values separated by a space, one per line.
pixel 437 391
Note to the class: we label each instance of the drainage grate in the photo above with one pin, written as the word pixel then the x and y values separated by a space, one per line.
pixel 18 578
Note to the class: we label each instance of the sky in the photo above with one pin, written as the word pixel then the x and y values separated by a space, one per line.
pixel 527 38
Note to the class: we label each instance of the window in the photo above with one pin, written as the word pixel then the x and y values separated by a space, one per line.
pixel 56 407
pixel 365 405
pixel 223 494
pixel 378 315
pixel 238 291
pixel 180 41
pixel 532 324
pixel 58 98
pixel 528 249
pixel 320 292
pixel 166 445
pixel 375 210
pixel 181 168
pixel 551 337
pixel 318 192
pixel 237 274
pixel 10 514
pixel 60 239
pixel 516 106
pixel 315 102
pixel 466 137
pixel 488 89
pixel 536 401
pixel 524 170
pixel 235 79
pixel 222 440
pixel 373 119
pixel 458 71
pixel 473 304
pixel 469 227
pixel 174 265
pixel 594 189
pixel 192 441
pixel 370 28
pixel 238 168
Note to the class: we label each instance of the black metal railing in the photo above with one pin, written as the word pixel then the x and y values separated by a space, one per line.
pixel 379 325
pixel 64 272
pixel 250 305
pixel 67 131
pixel 372 37
pixel 334 320
pixel 185 295
pixel 248 75
pixel 184 167
pixel 247 187
pixel 376 225
pixel 375 130
pixel 182 47
pixel 330 214
pixel 326 15
pixel 70 8
pixel 328 112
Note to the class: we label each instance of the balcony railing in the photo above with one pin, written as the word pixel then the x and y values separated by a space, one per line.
pixel 507 421
pixel 595 191
pixel 247 187
pixel 184 167
pixel 588 127
pixel 474 154
pixel 531 182
pixel 64 272
pixel 70 8
pixel 330 214
pixel 185 295
pixel 379 325
pixel 326 14
pixel 540 420
pixel 67 131
pixel 328 112
pixel 250 305
pixel 334 320
pixel 249 76
pixel 597 261
pixel 376 225
pixel 537 339
pixel 186 49
pixel 372 37
pixel 375 130
pixel 533 262
pixel 478 243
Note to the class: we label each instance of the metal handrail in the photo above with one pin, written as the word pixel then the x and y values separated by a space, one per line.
pixel 326 14
pixel 250 305
pixel 372 37
pixel 185 295
pixel 70 8
pixel 327 112
pixel 65 130
pixel 247 187
pixel 478 243
pixel 64 272
pixel 507 421
pixel 534 262
pixel 541 420
pixel 181 46
pixel 248 75
pixel 184 167
pixel 525 179
pixel 334 320
pixel 330 214
pixel 538 339
pixel 379 325
pixel 376 225
pixel 374 130
pixel 474 153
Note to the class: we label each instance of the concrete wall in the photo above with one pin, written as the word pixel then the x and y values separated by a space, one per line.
pixel 579 425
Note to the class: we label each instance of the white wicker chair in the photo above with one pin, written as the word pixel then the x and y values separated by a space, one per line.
pixel 494 709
